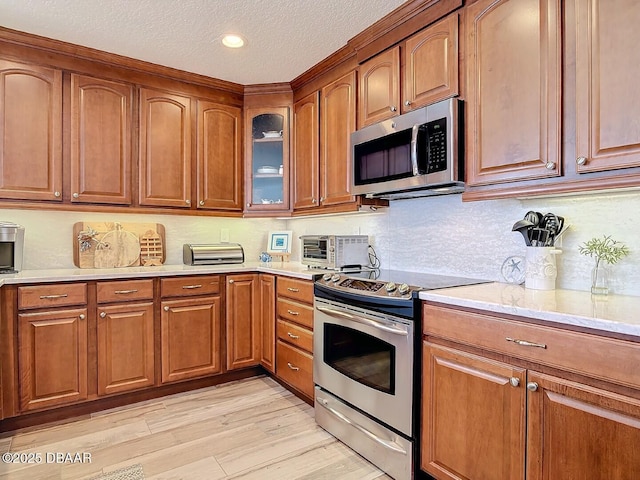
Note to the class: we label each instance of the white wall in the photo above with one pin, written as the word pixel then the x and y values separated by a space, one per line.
pixel 434 234
pixel 444 235
pixel 49 235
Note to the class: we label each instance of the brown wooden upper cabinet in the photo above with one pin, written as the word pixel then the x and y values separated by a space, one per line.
pixel 267 154
pixel 306 152
pixel 165 149
pixel 101 125
pixel 219 156
pixel 607 94
pixel 30 132
pixel 337 123
pixel 421 70
pixel 513 95
pixel 323 124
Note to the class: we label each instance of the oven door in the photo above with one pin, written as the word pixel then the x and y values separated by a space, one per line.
pixel 366 359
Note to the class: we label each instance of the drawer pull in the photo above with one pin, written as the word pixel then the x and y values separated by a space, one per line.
pixel 294 290
pixel 291 312
pixel 291 335
pixel 293 367
pixel 125 292
pixel 525 343
pixel 189 287
pixel 53 297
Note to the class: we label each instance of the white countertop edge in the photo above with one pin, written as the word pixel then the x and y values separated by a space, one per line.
pixel 290 269
pixel 612 314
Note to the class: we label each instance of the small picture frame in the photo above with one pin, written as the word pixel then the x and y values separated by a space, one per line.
pixel 279 242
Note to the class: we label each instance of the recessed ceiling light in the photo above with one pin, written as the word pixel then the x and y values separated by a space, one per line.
pixel 232 40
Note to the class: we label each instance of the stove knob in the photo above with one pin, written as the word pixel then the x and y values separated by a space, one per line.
pixel 402 289
pixel 326 277
pixel 390 287
pixel 335 277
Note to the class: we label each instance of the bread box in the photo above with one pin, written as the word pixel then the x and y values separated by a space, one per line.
pixel 212 254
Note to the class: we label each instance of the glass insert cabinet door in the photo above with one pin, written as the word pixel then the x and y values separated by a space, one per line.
pixel 267 147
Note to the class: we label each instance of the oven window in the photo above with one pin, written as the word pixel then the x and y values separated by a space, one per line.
pixel 362 357
pixel 315 249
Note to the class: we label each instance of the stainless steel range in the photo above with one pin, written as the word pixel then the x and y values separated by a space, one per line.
pixel 366 364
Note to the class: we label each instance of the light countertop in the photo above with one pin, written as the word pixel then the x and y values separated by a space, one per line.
pixel 618 314
pixel 291 269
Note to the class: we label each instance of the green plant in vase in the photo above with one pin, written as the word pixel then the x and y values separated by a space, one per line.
pixel 606 251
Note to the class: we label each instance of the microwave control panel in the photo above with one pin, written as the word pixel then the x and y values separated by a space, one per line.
pixel 436 144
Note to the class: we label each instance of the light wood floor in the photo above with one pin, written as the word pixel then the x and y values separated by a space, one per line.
pixel 250 429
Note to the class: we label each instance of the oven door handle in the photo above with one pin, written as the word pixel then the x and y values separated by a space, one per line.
pixel 366 321
pixel 385 443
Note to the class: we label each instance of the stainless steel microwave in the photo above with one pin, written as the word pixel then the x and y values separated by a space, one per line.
pixel 414 154
pixel 335 252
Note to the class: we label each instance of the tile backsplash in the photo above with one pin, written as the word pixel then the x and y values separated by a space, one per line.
pixel 434 234
pixel 445 235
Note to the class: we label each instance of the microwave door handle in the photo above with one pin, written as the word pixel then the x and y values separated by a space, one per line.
pixel 414 149
pixel 366 321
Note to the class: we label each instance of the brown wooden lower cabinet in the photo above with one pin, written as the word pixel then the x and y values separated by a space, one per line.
pixel 578 431
pixel 190 338
pixel 473 422
pixel 243 321
pixel 295 367
pixel 267 286
pixel 125 347
pixel 52 360
pixel 294 334
pixel 489 414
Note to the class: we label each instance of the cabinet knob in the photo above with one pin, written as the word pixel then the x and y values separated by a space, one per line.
pixel 76 195
pixel 188 202
pixel 81 316
pixel 166 309
pixel 550 165
pixel 103 314
pixel 407 103
pixel 201 203
pixel 56 194
pixel 515 381
pixel 231 281
pixel 581 160
pixel 321 199
pixel 532 386
pixel 393 108
pixel 313 200
pixel 248 204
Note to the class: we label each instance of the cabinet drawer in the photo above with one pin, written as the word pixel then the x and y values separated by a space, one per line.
pixel 57 295
pixel 295 312
pixel 189 286
pixel 599 357
pixel 295 367
pixel 295 335
pixel 125 290
pixel 300 290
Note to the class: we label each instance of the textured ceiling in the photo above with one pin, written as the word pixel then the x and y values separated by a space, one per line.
pixel 284 37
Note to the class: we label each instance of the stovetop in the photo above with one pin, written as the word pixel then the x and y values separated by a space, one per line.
pixel 391 283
